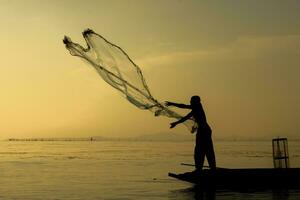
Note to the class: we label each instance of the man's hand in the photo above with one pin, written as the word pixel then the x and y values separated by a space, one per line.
pixel 168 103
pixel 173 125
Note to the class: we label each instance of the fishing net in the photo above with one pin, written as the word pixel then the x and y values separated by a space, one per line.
pixel 116 68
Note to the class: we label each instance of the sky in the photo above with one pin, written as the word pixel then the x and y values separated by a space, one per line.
pixel 241 57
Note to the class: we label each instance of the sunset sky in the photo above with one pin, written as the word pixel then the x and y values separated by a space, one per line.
pixel 241 57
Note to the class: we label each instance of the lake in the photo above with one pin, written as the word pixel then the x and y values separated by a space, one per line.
pixel 115 170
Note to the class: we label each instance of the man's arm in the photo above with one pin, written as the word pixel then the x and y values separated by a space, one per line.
pixel 183 119
pixel 178 105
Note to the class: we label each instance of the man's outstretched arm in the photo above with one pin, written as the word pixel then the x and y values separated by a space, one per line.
pixel 183 119
pixel 178 105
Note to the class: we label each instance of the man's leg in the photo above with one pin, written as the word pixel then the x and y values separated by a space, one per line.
pixel 210 153
pixel 199 153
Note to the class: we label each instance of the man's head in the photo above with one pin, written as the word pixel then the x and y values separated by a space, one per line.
pixel 195 100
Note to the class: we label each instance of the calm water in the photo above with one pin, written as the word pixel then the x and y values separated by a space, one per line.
pixel 123 170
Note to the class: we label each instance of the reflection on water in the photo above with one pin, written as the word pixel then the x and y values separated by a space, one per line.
pixel 196 193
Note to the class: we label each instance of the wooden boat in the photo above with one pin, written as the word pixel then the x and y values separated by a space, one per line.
pixel 243 178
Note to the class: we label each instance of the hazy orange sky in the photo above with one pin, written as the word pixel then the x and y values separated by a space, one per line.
pixel 241 57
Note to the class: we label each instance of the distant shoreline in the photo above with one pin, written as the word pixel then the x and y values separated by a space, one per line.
pixel 49 139
pixel 138 139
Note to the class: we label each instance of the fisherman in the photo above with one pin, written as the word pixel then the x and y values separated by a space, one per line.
pixel 204 145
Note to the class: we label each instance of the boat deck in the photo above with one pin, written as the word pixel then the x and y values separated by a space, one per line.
pixel 243 178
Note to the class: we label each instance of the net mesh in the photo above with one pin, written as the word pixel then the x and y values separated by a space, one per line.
pixel 117 69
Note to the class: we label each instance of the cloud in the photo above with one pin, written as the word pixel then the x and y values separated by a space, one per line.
pixel 244 48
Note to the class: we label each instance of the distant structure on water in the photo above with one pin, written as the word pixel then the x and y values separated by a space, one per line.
pixel 51 139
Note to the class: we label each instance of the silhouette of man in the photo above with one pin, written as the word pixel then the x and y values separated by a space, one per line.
pixel 204 145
